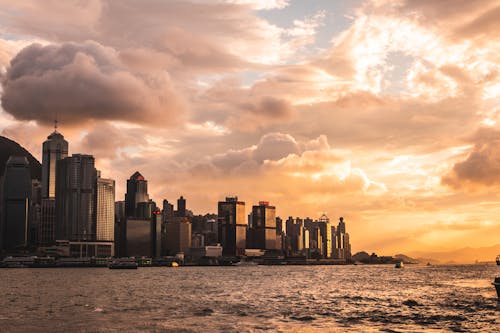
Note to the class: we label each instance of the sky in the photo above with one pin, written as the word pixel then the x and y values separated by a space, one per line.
pixel 383 112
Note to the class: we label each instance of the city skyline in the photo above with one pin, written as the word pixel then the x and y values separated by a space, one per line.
pixel 324 107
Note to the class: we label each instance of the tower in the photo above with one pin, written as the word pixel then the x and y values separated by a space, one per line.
pixel 105 204
pixel 54 149
pixel 76 193
pixel 137 192
pixel 232 226
pixel 326 235
pixel 181 207
pixel 264 226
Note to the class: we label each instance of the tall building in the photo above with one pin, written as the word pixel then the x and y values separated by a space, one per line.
pixel 178 235
pixel 264 226
pixel 75 203
pixel 326 235
pixel 232 226
pixel 342 246
pixel 105 205
pixel 139 240
pixel 16 202
pixel 294 235
pixel 137 192
pixel 181 207
pixel 54 148
pixel 167 211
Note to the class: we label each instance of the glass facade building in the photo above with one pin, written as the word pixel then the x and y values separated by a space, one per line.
pixel 75 203
pixel 54 148
pixel 105 214
pixel 232 224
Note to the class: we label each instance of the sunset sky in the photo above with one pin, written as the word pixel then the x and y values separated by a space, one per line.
pixel 383 112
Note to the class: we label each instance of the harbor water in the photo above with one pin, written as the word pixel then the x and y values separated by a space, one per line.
pixel 441 298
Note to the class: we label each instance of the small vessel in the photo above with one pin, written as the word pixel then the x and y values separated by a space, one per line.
pixel 399 264
pixel 498 260
pixel 496 283
pixel 123 263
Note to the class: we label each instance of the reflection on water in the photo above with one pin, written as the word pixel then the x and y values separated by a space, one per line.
pixel 251 299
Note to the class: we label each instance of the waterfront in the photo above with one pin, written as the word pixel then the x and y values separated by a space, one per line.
pixel 251 299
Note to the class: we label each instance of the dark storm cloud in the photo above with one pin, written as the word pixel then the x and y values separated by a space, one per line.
pixel 83 81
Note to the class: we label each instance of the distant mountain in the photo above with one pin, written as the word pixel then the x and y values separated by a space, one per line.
pixel 406 258
pixel 11 148
pixel 464 255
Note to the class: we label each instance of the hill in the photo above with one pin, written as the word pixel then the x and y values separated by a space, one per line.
pixel 464 255
pixel 11 148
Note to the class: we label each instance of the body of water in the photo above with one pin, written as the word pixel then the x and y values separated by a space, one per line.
pixel 251 299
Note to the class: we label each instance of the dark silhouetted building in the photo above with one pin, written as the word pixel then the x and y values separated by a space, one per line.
pixel 75 198
pixel 139 238
pixel 178 235
pixel 167 211
pixel 341 244
pixel 16 202
pixel 232 226
pixel 294 243
pixel 181 207
pixel 47 224
pixel 137 192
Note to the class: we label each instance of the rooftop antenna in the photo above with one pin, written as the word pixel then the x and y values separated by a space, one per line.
pixel 55 122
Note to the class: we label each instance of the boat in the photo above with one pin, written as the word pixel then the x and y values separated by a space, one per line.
pixel 496 283
pixel 123 263
pixel 498 260
pixel 399 264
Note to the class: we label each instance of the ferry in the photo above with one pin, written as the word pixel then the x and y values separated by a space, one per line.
pixel 399 264
pixel 123 263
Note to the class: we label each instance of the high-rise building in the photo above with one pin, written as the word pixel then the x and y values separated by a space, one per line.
pixel 137 192
pixel 326 235
pixel 232 226
pixel 342 246
pixel 54 148
pixel 16 202
pixel 181 207
pixel 294 235
pixel 75 198
pixel 178 235
pixel 167 211
pixel 264 226
pixel 105 205
pixel 139 238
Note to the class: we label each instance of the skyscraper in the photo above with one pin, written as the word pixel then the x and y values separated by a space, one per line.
pixel 54 149
pixel 75 203
pixel 181 207
pixel 137 192
pixel 232 226
pixel 326 234
pixel 264 226
pixel 105 215
pixel 16 202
